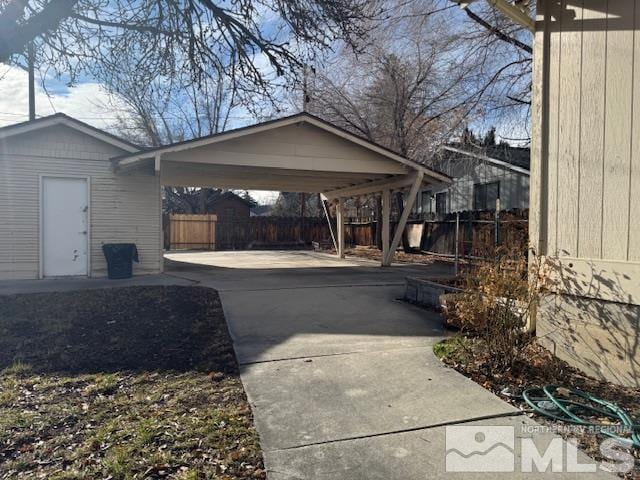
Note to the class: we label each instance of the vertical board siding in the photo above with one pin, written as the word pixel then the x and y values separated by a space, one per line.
pixel 617 136
pixel 555 60
pixel 592 173
pixel 569 132
pixel 592 133
pixel 634 176
pixel 124 208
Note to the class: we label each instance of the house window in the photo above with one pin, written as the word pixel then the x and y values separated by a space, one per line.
pixel 485 195
pixel 425 202
pixel 441 203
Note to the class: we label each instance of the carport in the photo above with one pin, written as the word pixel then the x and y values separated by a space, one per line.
pixel 299 153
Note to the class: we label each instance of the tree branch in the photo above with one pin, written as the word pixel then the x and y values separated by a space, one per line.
pixel 15 36
pixel 497 32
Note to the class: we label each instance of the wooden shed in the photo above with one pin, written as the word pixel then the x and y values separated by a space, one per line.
pixel 61 200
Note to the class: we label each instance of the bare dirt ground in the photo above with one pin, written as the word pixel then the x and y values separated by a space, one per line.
pixel 137 382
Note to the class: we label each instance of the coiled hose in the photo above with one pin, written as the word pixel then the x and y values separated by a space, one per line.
pixel 571 405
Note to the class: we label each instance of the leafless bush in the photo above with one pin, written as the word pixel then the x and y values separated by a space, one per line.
pixel 497 304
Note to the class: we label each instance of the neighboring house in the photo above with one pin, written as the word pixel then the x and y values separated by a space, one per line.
pixel 480 177
pixel 230 207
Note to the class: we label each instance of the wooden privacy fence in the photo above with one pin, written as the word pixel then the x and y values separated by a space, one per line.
pixel 479 233
pixel 360 233
pixel 204 232
pixel 270 232
pixel 184 231
pixel 476 233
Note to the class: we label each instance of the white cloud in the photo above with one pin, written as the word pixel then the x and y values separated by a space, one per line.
pixel 86 101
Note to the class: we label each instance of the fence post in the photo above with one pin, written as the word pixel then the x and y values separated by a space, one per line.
pixel 497 223
pixel 455 268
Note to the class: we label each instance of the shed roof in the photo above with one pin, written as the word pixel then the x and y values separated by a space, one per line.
pixel 66 120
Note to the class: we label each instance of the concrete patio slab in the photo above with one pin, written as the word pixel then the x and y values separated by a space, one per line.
pixel 267 259
pixel 415 455
pixel 306 401
pixel 341 375
pixel 305 269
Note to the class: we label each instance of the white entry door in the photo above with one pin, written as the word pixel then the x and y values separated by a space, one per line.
pixel 65 211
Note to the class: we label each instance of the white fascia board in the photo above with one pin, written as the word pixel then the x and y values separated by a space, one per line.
pixel 514 13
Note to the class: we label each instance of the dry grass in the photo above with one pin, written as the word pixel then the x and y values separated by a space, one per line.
pixel 122 383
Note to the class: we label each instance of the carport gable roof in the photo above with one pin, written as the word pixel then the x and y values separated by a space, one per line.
pixel 300 118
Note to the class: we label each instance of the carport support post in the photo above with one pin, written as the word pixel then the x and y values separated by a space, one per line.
pixel 386 214
pixel 402 223
pixel 340 221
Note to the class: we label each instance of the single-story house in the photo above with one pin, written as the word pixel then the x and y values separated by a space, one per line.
pixel 66 188
pixel 480 176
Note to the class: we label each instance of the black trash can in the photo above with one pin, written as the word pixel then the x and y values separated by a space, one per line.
pixel 120 258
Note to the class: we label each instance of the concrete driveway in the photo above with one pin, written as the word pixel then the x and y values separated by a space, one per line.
pixel 341 374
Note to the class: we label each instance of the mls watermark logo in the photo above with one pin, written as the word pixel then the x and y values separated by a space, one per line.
pixel 480 449
pixel 476 448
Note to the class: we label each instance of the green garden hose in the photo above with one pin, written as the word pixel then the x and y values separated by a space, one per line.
pixel 572 405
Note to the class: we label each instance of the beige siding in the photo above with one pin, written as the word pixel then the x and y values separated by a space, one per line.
pixel 124 208
pixel 585 208
pixel 589 167
pixel 302 147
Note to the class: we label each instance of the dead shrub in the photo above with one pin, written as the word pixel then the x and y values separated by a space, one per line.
pixel 498 300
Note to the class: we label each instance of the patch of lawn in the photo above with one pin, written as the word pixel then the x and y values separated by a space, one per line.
pixel 453 349
pixel 122 383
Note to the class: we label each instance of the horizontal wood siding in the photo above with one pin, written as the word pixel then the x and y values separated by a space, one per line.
pixel 590 113
pixel 124 208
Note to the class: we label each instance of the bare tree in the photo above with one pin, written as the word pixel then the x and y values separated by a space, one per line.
pixel 166 110
pixel 170 109
pixel 261 38
pixel 407 93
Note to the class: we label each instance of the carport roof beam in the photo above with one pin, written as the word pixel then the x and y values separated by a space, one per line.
pixel 396 182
